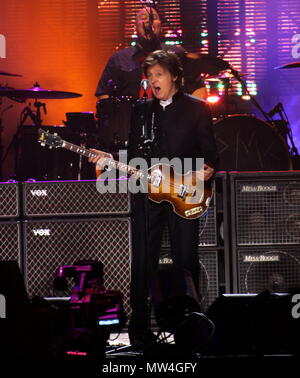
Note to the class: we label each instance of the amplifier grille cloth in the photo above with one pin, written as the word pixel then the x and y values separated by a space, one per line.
pixel 10 241
pixel 274 269
pixel 74 198
pixel 267 212
pixel 9 201
pixel 208 276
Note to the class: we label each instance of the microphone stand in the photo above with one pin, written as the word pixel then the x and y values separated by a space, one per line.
pixel 145 147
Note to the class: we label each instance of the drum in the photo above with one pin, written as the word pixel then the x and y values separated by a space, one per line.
pixel 247 143
pixel 114 114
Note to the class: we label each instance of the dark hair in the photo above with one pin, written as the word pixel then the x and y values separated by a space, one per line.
pixel 169 61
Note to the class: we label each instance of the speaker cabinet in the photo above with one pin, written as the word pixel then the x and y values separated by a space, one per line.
pixel 210 224
pixel 254 324
pixel 74 198
pixel 265 209
pixel 208 275
pixel 9 204
pixel 10 241
pixel 268 268
pixel 49 244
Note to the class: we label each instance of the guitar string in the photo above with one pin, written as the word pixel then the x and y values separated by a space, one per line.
pixel 88 153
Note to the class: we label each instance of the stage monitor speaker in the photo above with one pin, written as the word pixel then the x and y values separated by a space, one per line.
pixel 9 204
pixel 10 241
pixel 48 244
pixel 265 208
pixel 255 324
pixel 73 198
pixel 208 275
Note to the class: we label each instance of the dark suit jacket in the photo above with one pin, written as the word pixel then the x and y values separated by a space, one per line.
pixel 184 129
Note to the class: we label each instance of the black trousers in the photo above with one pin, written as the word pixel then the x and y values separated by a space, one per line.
pixel 149 220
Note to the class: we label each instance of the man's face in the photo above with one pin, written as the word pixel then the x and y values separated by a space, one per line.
pixel 143 23
pixel 162 82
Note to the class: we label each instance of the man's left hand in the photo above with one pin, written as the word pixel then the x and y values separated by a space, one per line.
pixel 206 173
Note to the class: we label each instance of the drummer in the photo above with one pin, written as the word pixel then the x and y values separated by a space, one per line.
pixel 120 81
pixel 123 72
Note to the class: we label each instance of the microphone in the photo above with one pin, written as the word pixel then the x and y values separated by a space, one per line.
pixel 275 110
pixel 145 84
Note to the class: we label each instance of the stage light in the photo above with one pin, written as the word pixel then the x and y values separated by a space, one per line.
pixel 213 99
pixel 246 97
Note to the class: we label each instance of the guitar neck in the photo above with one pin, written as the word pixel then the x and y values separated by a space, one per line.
pixel 111 163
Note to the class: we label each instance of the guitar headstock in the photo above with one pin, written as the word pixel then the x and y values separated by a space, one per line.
pixel 50 139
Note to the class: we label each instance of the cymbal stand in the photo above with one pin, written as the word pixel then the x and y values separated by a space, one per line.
pixel 15 142
pixel 226 85
pixel 1 145
pixel 244 86
pixel 34 115
pixel 287 130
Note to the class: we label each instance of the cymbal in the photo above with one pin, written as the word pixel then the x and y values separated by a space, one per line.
pixel 203 63
pixel 225 74
pixel 38 93
pixel 4 73
pixel 288 65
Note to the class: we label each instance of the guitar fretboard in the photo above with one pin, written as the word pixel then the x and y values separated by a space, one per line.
pixel 111 163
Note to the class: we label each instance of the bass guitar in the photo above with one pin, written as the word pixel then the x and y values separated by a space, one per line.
pixel 189 196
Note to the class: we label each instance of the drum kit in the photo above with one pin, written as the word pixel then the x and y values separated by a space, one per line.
pixel 21 95
pixel 244 141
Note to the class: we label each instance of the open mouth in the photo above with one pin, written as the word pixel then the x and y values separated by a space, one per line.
pixel 157 89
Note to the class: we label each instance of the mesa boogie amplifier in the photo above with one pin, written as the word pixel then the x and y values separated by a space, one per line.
pixel 9 200
pixel 265 208
pixel 265 214
pixel 74 198
pixel 276 269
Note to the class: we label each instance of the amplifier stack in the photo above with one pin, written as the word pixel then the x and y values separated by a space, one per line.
pixel 213 247
pixel 47 224
pixel 249 240
pixel 265 213
pixel 10 226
